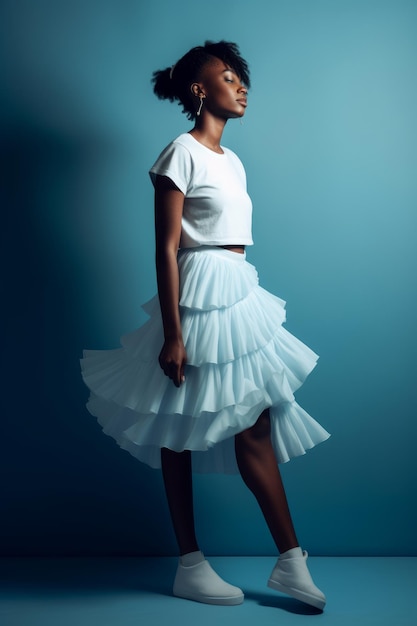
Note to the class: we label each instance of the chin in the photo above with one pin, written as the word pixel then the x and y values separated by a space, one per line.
pixel 238 114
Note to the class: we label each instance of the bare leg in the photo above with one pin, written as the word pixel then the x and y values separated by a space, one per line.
pixel 176 471
pixel 259 470
pixel 195 579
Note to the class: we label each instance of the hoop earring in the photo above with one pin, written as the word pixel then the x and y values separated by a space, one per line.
pixel 201 106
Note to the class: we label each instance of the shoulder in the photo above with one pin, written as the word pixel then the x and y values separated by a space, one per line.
pixel 174 162
pixel 185 141
pixel 176 146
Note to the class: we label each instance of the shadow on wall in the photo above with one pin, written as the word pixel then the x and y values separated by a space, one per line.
pixel 73 167
pixel 66 483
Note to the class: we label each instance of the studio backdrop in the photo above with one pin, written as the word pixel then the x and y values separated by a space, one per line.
pixel 329 145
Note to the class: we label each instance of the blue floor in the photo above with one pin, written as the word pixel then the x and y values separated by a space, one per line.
pixel 137 591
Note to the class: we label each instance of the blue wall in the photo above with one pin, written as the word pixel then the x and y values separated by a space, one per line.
pixel 329 144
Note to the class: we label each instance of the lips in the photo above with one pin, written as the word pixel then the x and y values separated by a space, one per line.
pixel 243 101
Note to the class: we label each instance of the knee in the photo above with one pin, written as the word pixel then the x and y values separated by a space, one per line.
pixel 260 431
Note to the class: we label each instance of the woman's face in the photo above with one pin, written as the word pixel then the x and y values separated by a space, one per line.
pixel 224 94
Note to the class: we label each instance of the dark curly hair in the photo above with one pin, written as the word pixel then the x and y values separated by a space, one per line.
pixel 174 82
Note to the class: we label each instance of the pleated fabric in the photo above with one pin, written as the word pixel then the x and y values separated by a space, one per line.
pixel 240 361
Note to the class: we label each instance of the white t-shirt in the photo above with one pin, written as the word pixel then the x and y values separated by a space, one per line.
pixel 217 208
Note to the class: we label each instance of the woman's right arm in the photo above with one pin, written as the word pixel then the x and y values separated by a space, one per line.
pixel 169 204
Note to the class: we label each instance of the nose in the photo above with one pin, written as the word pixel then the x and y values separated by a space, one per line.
pixel 243 89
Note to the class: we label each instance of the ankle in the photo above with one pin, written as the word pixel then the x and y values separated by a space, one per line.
pixel 292 553
pixel 191 558
pixel 189 545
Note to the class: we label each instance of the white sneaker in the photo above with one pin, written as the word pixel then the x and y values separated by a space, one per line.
pixel 201 583
pixel 291 576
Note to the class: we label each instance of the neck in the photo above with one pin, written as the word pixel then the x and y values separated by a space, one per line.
pixel 209 130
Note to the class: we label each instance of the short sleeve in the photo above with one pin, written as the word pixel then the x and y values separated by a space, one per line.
pixel 175 163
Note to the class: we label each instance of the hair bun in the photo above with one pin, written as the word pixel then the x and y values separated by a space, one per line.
pixel 163 84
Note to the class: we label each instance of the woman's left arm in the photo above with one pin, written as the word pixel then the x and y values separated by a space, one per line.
pixel 169 204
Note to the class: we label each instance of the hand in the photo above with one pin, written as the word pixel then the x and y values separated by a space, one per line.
pixel 172 360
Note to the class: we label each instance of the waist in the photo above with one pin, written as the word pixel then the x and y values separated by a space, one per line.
pixel 234 248
pixel 236 254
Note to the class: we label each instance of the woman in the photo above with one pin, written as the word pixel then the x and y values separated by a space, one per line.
pixel 228 370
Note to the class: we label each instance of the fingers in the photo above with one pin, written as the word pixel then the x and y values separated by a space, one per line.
pixel 174 371
pixel 172 360
pixel 177 375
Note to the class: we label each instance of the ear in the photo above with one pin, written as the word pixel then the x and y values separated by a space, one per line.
pixel 197 90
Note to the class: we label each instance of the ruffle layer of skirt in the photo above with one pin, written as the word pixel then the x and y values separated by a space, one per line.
pixel 240 360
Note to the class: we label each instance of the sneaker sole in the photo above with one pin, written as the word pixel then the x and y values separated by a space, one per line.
pixel 307 598
pixel 222 601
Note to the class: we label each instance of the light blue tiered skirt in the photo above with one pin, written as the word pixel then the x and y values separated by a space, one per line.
pixel 240 361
